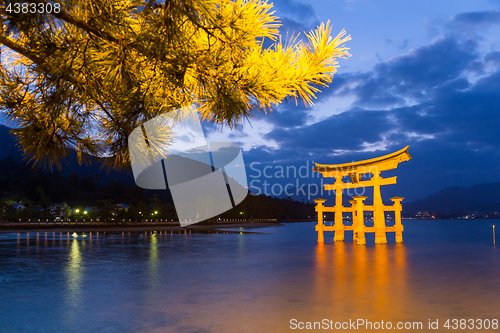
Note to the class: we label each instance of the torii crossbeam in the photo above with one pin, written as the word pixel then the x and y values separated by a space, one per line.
pixel 355 171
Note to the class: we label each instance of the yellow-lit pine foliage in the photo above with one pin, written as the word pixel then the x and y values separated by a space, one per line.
pixel 85 77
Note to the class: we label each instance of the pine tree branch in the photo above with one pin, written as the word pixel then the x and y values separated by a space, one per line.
pixel 15 46
pixel 122 65
pixel 65 16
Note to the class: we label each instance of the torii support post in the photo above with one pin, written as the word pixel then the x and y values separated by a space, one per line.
pixel 378 210
pixel 360 229
pixel 354 219
pixel 319 227
pixel 339 224
pixel 397 215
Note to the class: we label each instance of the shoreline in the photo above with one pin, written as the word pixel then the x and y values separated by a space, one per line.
pixel 202 228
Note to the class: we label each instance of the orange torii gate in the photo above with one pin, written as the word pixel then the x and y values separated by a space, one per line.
pixel 355 171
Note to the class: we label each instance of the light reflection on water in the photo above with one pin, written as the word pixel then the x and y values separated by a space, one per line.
pixel 74 273
pixel 167 282
pixel 352 279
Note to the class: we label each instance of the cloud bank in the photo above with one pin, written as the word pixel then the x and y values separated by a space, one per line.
pixel 442 99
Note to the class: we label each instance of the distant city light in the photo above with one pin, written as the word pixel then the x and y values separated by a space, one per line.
pixel 77 210
pixel 84 212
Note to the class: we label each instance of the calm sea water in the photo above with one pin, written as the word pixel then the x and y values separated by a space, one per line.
pixel 246 282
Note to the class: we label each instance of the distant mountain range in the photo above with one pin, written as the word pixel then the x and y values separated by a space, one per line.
pixel 9 148
pixel 477 198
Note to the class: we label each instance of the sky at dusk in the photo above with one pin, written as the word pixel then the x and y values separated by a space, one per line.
pixel 422 73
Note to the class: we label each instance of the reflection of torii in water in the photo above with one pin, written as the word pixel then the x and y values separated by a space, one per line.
pixel 355 171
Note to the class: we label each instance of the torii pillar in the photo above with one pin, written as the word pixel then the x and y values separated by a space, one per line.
pixel 320 227
pixel 339 224
pixel 354 219
pixel 397 216
pixel 378 210
pixel 359 227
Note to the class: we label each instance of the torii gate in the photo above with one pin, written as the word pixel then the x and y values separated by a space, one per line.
pixel 355 171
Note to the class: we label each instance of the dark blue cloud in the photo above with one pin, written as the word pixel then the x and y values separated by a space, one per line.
pixel 293 27
pixel 471 24
pixel 412 75
pixel 209 127
pixel 237 133
pixel 296 17
pixel 493 57
pixel 426 66
pixel 476 66
pixel 346 131
pixel 430 74
pixel 296 10
pixel 477 18
pixel 451 124
pixel 288 115
pixel 404 44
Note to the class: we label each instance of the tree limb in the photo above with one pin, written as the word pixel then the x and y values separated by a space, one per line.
pixel 13 45
pixel 65 16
